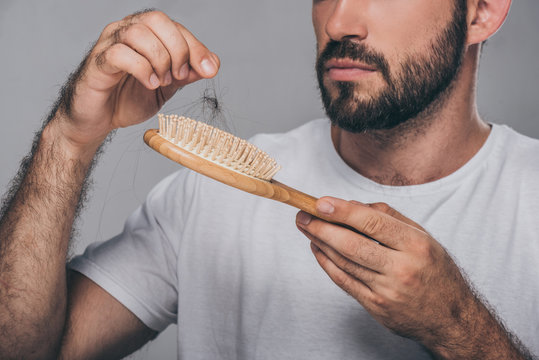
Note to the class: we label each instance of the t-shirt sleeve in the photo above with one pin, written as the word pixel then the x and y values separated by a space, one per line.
pixel 139 266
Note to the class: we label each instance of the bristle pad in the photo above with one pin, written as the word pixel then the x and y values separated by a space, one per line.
pixel 217 146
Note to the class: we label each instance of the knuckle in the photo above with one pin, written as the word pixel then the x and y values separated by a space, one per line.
pixel 134 31
pixel 424 249
pixel 344 281
pixel 349 267
pixel 408 277
pixel 394 297
pixel 381 206
pixel 162 56
pixel 373 224
pixel 111 53
pixel 160 59
pixel 373 256
pixel 108 55
pixel 156 16
pixel 385 208
pixel 180 50
pixel 363 274
pixel 349 247
pixel 110 28
pixel 379 301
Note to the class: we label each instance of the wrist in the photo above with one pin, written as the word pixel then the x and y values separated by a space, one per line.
pixel 475 333
pixel 71 142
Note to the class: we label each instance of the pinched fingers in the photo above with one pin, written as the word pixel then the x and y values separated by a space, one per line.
pixel 186 51
pixel 204 62
pixel 170 51
pixel 173 40
pixel 121 58
pixel 141 39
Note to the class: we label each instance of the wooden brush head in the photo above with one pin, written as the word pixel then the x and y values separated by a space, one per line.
pixel 217 146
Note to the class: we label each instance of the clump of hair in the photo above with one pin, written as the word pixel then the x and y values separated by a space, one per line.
pixel 208 107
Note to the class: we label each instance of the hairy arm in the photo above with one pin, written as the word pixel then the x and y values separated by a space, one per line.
pixel 407 281
pixel 136 65
pixel 34 235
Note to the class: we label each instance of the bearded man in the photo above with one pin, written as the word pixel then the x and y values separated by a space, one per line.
pixel 397 79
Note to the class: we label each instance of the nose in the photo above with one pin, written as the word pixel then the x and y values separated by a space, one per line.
pixel 347 20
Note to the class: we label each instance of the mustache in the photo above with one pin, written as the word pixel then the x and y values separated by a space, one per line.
pixel 355 51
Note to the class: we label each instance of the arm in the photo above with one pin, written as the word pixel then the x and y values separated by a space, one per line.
pixel 92 311
pixel 34 232
pixel 137 64
pixel 409 284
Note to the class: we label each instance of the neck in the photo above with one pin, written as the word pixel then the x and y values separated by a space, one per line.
pixel 429 147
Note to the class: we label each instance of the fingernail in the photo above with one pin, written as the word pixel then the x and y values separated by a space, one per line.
pixel 208 67
pixel 304 218
pixel 154 80
pixel 184 72
pixel 168 78
pixel 325 207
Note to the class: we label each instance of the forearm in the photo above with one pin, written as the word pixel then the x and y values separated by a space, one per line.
pixel 35 229
pixel 477 334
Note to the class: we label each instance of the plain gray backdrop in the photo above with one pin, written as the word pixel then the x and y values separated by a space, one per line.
pixel 266 84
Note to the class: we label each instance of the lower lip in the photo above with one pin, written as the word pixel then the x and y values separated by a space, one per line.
pixel 348 74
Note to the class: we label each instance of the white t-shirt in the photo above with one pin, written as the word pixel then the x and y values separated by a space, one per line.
pixel 241 282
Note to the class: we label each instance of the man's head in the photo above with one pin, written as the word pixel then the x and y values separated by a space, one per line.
pixel 382 63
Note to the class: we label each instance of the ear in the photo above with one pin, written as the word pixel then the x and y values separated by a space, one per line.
pixel 485 17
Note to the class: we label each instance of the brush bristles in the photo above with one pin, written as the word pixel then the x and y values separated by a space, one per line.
pixel 217 146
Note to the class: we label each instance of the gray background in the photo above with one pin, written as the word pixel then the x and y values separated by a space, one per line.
pixel 266 84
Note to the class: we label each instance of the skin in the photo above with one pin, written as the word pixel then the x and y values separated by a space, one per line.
pixel 395 157
pixel 408 282
pixel 140 62
pixel 136 65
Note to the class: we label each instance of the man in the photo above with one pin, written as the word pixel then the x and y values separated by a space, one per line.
pixel 398 83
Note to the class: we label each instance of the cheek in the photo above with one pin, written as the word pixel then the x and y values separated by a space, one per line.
pixel 319 18
pixel 407 26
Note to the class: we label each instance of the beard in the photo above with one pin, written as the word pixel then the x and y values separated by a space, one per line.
pixel 421 81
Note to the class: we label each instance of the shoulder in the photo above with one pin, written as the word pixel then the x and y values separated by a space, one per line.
pixel 518 160
pixel 517 149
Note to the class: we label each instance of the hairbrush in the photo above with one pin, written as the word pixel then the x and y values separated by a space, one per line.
pixel 225 158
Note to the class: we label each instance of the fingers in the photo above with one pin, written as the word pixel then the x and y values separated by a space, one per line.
pixel 361 273
pixel 171 51
pixel 121 58
pixel 341 278
pixel 204 62
pixel 173 41
pixel 379 225
pixel 142 40
pixel 347 243
pixel 385 208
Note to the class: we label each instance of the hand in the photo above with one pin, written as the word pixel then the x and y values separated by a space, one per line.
pixel 404 279
pixel 137 64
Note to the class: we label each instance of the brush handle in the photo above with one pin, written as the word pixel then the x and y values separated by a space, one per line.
pixel 268 189
pixel 293 197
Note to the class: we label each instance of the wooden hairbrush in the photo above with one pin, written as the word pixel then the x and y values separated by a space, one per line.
pixel 225 158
